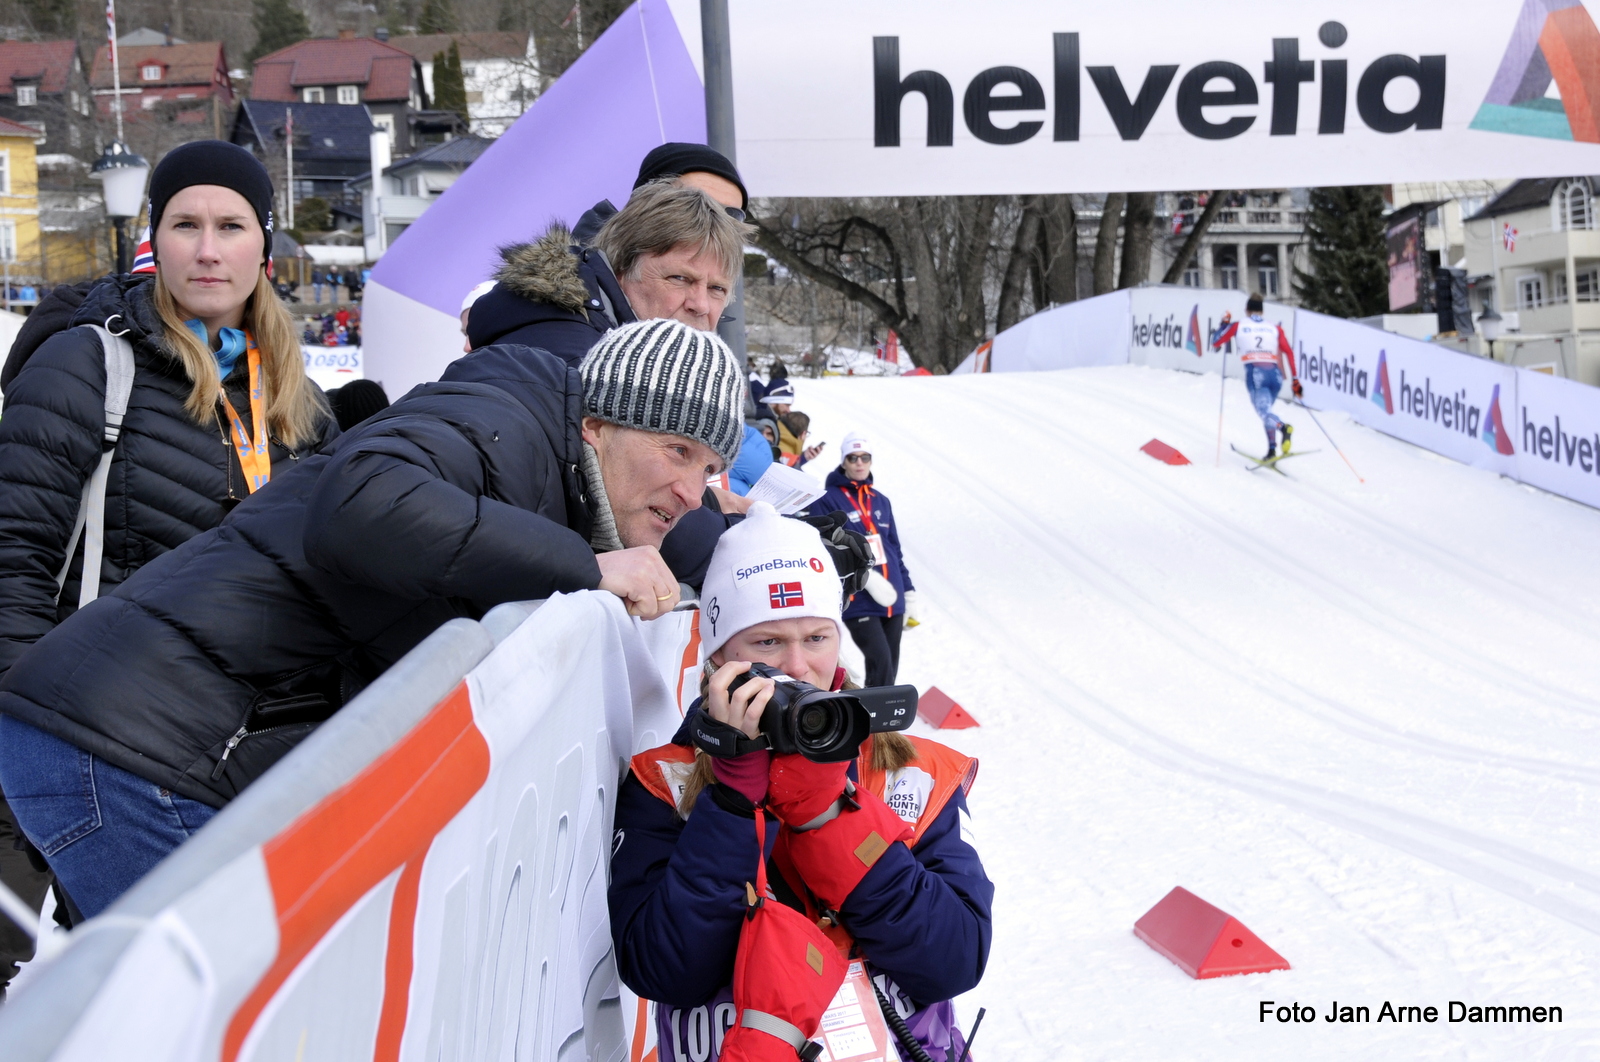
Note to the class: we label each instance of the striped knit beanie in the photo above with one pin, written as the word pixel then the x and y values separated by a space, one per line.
pixel 666 377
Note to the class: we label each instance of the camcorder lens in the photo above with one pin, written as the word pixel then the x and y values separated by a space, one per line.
pixel 813 721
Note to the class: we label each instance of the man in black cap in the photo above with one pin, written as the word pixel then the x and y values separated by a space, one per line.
pixel 564 290
pixel 694 165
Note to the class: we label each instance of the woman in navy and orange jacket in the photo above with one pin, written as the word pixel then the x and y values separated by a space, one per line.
pixel 875 625
pixel 918 913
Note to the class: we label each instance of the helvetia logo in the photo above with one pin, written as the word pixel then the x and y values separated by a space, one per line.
pixel 1494 429
pixel 1554 40
pixel 1381 395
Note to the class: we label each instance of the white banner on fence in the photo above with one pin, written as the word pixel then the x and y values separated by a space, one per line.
pixel 1075 336
pixel 447 902
pixel 1171 327
pixel 1451 403
pixel 1556 431
pixel 951 97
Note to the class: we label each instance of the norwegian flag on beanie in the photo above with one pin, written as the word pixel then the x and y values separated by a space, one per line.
pixel 766 567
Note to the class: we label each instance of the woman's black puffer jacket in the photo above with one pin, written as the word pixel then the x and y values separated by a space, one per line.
pixel 170 479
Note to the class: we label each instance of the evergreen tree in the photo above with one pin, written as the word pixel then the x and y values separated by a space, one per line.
pixel 449 82
pixel 1349 262
pixel 437 17
pixel 278 24
pixel 52 17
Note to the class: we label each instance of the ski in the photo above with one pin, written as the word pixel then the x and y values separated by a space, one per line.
pixel 1271 462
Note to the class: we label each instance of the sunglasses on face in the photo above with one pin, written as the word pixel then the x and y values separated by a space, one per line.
pixel 865 459
pixel 735 213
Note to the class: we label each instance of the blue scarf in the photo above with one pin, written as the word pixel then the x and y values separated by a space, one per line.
pixel 233 344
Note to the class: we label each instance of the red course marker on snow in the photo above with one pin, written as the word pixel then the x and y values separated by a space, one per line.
pixel 1162 452
pixel 937 708
pixel 1204 941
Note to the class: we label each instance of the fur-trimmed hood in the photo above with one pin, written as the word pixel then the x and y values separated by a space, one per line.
pixel 550 293
pixel 544 270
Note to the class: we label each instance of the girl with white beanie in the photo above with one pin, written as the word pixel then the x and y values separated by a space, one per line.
pixel 875 850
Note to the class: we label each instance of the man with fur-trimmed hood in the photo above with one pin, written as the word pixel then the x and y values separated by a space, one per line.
pixel 673 251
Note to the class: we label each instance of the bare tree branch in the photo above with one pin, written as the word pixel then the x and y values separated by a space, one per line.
pixel 1192 243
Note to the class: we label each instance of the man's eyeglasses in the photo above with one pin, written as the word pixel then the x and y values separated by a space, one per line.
pixel 735 213
pixel 863 458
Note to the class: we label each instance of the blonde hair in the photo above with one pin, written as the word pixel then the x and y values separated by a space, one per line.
pixel 890 752
pixel 295 407
pixel 664 214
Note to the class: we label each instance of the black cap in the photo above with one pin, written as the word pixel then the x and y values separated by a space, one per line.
pixel 675 160
pixel 212 162
pixel 1253 304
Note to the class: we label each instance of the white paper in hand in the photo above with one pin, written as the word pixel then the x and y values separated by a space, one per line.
pixel 786 489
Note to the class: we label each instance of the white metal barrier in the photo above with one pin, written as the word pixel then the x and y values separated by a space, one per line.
pixel 423 878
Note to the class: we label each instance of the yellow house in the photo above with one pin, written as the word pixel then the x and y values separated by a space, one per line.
pixel 20 259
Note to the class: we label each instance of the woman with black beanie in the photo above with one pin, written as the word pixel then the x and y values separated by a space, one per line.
pixel 219 404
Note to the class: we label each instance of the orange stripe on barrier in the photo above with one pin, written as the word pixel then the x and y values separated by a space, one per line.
pixel 397 963
pixel 691 655
pixel 385 817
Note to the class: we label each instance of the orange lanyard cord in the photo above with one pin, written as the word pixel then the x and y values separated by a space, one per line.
pixel 254 457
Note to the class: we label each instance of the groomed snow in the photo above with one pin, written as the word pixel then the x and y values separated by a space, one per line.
pixel 1362 718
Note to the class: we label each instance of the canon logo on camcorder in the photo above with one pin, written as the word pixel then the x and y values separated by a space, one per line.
pixel 1131 112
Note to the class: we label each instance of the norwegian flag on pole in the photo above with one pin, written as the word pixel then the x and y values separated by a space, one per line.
pixel 785 595
pixel 111 22
pixel 1510 236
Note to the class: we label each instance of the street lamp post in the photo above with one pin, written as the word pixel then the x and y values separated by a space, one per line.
pixel 121 174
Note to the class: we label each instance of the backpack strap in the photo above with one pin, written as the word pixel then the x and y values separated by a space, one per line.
pixel 91 521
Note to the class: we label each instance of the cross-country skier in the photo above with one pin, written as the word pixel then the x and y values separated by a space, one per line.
pixel 1263 348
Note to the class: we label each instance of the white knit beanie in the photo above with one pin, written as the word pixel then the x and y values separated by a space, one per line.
pixel 666 377
pixel 766 567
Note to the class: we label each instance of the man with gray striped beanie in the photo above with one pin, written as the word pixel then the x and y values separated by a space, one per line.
pixel 663 410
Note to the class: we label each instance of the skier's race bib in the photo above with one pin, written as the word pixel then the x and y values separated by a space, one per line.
pixel 878 554
pixel 1258 341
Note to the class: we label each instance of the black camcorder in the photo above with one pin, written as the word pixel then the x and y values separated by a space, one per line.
pixel 825 726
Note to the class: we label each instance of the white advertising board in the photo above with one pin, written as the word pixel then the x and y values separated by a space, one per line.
pixel 1075 336
pixel 1171 327
pixel 448 901
pixel 1555 429
pixel 952 97
pixel 1451 403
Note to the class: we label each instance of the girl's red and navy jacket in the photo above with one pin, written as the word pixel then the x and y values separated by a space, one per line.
pixel 677 898
pixel 870 513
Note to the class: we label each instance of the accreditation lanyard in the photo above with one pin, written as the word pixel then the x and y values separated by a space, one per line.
pixel 254 458
pixel 855 496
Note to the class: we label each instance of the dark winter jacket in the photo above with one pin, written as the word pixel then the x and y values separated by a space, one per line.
pixel 920 915
pixel 551 294
pixel 869 512
pixel 593 220
pixel 170 479
pixel 215 660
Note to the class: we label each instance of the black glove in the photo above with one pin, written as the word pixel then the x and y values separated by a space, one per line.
pixel 852 555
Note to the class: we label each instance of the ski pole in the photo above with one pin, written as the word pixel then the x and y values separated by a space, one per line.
pixel 973 1035
pixel 1222 398
pixel 1325 435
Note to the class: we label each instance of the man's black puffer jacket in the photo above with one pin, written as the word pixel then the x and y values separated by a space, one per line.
pixel 465 494
pixel 170 480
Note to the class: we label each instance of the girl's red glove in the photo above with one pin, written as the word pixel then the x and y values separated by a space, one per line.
pixel 800 791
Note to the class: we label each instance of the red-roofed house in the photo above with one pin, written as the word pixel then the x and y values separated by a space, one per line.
pixel 192 77
pixel 42 85
pixel 347 70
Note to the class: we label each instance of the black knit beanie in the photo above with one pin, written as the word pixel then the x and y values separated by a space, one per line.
pixel 675 160
pixel 212 162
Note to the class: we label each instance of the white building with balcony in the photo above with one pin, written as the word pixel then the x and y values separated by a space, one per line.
pixel 1533 254
pixel 405 190
pixel 500 69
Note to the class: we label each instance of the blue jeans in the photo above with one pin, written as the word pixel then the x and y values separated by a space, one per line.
pixel 1264 383
pixel 100 828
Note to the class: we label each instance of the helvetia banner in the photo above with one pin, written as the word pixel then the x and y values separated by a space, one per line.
pixel 1555 428
pixel 952 97
pixel 1450 403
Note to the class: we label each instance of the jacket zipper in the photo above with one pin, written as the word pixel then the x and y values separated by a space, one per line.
pixel 233 743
